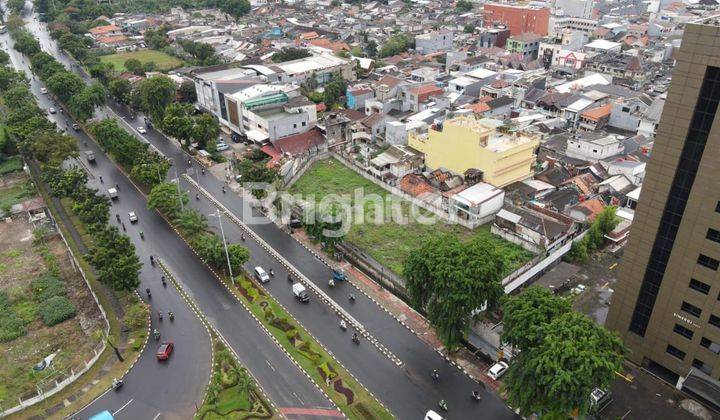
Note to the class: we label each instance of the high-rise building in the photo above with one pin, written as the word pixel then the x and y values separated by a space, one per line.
pixel 666 305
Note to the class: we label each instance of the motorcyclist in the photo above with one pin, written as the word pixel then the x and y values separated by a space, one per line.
pixel 164 283
pixel 117 383
pixel 331 283
pixel 117 216
pixel 289 277
pixel 476 395
pixel 355 337
pixel 171 315
pixel 435 374
pixel 142 235
pixel 147 290
pixel 159 315
pixel 343 324
pixel 156 333
pixel 272 273
pixel 197 196
pixel 443 404
pixel 101 180
pixel 351 297
pixel 152 260
pixel 223 190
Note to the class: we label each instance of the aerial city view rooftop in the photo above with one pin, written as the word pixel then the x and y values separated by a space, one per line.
pixel 325 209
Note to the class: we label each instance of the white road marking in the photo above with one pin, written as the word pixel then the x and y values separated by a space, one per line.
pixel 271 366
pixel 123 407
pixel 158 415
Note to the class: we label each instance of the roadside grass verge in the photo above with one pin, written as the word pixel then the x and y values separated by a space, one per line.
pixel 389 242
pixel 232 391
pixel 342 388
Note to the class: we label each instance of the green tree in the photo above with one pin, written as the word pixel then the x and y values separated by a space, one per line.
pixel 452 281
pixel 206 128
pixel 178 123
pixel 92 209
pixel 134 66
pixel 187 92
pixel 334 89
pixel 371 48
pixel 150 169
pixel 463 6
pixel 102 72
pixel 239 255
pixel 290 53
pixel 525 314
pixel 120 89
pixel 191 223
pixel 165 198
pixel 210 249
pixel 16 6
pixel 51 147
pixel 396 44
pixel 236 8
pixel 578 252
pixel 114 259
pixel 469 28
pixel 65 85
pixel 9 77
pixel 607 219
pixel 65 183
pixel 81 105
pixel 156 93
pixel 554 379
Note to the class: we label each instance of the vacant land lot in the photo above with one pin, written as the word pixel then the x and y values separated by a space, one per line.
pixel 14 189
pixel 388 242
pixel 161 60
pixel 25 312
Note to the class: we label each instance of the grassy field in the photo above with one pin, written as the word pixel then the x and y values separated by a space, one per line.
pixel 14 189
pixel 389 243
pixel 162 60
pixel 22 260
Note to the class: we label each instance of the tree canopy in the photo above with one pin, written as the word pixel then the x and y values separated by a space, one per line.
pixel 155 94
pixel 452 281
pixel 555 378
pixel 526 314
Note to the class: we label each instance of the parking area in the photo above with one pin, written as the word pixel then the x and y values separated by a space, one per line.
pixel 598 276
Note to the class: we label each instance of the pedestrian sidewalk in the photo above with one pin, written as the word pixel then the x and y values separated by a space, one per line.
pixel 463 358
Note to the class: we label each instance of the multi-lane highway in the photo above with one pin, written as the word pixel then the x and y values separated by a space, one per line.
pixel 407 390
pixel 175 388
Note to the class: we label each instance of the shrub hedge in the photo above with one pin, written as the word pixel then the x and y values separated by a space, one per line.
pixel 56 310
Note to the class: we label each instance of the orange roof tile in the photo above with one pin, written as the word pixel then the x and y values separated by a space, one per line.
pixel 597 113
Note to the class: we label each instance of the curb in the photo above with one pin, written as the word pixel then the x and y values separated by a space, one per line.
pixel 298 274
pixel 210 330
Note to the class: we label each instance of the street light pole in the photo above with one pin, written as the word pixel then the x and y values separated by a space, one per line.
pixel 178 185
pixel 227 254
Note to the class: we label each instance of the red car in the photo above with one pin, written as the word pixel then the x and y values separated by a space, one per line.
pixel 163 352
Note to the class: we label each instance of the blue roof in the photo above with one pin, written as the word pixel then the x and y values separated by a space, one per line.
pixel 105 415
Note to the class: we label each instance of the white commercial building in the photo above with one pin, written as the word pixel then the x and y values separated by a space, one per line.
pixel 593 149
pixel 433 42
pixel 477 204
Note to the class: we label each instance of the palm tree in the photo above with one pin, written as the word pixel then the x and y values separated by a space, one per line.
pixel 192 223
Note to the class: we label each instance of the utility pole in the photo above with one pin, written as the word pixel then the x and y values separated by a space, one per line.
pixel 227 254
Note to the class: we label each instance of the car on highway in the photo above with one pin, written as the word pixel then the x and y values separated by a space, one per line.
pixel 141 130
pixel 166 348
pixel 431 415
pixel 261 275
pixel 497 370
pixel 52 110
pixel 112 193
pixel 43 91
pixel 132 216
pixel 221 146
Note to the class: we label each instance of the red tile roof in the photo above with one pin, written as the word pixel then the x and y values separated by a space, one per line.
pixel 299 143
pixel 102 30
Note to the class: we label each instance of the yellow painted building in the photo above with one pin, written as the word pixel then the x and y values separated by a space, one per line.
pixel 465 142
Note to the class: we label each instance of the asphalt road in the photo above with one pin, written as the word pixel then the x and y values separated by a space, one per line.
pixel 161 390
pixel 285 384
pixel 408 391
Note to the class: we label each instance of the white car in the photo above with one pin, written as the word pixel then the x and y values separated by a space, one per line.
pixel 52 110
pixel 221 147
pixel 43 91
pixel 132 216
pixel 497 370
pixel 431 415
pixel 141 130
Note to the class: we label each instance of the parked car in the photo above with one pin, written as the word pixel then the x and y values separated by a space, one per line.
pixel 52 110
pixel 132 216
pixel 43 91
pixel 431 415
pixel 165 349
pixel 220 147
pixel 497 370
pixel 90 156
pixel 141 130
pixel 76 127
pixel 261 275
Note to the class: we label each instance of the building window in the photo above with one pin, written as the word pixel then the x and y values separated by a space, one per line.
pixel 710 345
pixel 685 332
pixel 304 123
pixel 691 309
pixel 713 235
pixel 683 180
pixel 294 125
pixel 714 320
pixel 699 286
pixel 708 262
pixel 717 207
pixel 704 367
pixel 675 351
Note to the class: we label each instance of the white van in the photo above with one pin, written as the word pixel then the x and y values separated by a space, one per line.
pixel 261 275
